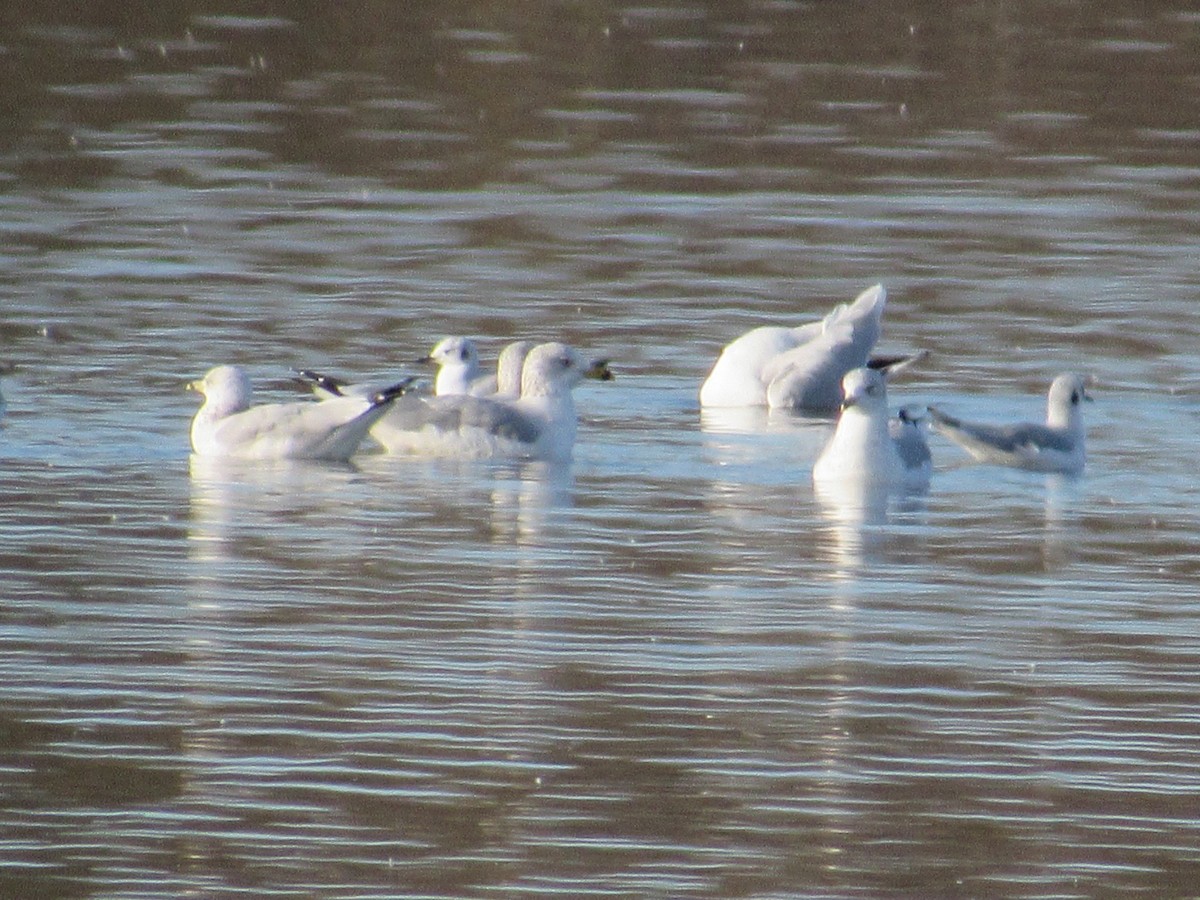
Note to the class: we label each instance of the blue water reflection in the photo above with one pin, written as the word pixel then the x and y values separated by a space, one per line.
pixel 669 668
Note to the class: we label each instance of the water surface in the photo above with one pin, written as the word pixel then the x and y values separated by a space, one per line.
pixel 668 668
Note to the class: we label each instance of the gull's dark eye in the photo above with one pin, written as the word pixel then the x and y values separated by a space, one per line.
pixel 464 354
pixel 1074 398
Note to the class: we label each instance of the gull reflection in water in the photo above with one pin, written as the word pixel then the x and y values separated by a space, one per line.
pixel 758 456
pixel 723 426
pixel 237 506
pixel 1060 543
pixel 734 419
pixel 535 551
pixel 861 520
pixel 527 498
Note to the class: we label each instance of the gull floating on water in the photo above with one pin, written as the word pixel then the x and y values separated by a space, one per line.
pixel 539 424
pixel 799 368
pixel 1056 446
pixel 227 425
pixel 454 377
pixel 458 370
pixel 868 449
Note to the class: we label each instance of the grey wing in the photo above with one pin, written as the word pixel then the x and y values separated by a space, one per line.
pixel 299 428
pixel 1039 437
pixel 274 423
pixel 1025 437
pixel 499 419
pixel 910 444
pixel 416 412
pixel 457 413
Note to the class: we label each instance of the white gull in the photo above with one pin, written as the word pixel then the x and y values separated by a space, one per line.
pixel 458 370
pixel 868 449
pixel 1056 446
pixel 539 424
pixel 228 425
pixel 799 368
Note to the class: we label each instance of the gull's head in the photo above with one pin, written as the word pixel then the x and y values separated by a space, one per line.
pixel 226 389
pixel 552 369
pixel 1065 401
pixel 864 390
pixel 453 351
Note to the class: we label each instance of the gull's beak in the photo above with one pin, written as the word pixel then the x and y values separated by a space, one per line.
pixel 424 361
pixel 599 371
pixel 854 398
pixel 197 386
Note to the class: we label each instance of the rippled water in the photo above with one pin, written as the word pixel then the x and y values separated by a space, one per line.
pixel 669 668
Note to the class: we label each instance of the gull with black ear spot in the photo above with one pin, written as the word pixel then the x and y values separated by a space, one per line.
pixel 908 428
pixel 539 424
pixel 867 449
pixel 1056 446
pixel 509 369
pixel 458 370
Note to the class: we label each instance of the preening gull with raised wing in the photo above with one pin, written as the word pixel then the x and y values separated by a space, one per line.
pixel 799 368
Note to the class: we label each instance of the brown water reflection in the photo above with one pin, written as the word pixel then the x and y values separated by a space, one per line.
pixel 670 668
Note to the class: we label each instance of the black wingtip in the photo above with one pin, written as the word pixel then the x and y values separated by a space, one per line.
pixel 942 418
pixel 891 366
pixel 388 394
pixel 310 379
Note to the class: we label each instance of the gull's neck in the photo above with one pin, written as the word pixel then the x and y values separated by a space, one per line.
pixel 543 387
pixel 453 379
pixel 860 442
pixel 1066 417
pixel 224 405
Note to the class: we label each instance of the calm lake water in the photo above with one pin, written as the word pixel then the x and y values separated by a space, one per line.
pixel 668 669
